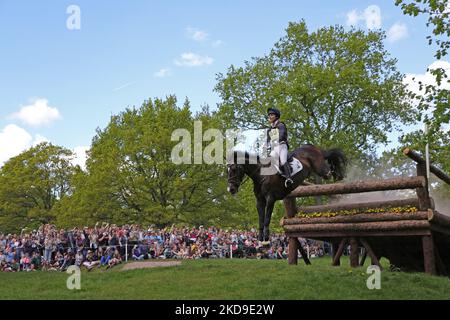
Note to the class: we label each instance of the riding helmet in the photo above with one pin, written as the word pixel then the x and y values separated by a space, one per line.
pixel 275 111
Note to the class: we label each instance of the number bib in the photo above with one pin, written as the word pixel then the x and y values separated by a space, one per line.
pixel 274 135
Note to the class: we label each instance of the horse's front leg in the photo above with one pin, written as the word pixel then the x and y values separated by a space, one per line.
pixel 270 202
pixel 261 206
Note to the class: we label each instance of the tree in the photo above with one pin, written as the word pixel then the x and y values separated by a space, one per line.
pixel 433 97
pixel 433 100
pixel 131 178
pixel 438 13
pixel 32 183
pixel 334 87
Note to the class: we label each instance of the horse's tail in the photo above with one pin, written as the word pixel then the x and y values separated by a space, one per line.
pixel 338 163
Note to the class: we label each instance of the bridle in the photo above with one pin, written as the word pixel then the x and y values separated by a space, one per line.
pixel 235 179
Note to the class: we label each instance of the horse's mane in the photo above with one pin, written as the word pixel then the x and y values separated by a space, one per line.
pixel 242 157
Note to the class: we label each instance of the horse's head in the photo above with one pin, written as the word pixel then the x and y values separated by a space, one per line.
pixel 235 176
pixel 238 164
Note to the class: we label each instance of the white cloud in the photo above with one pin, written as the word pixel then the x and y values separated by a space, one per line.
pixel 37 113
pixel 397 32
pixel 80 156
pixel 165 72
pixel 352 18
pixel 413 80
pixel 14 140
pixel 189 59
pixel 196 34
pixel 371 15
pixel 217 43
pixel 39 139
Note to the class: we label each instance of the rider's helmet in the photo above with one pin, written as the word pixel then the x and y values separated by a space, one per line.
pixel 274 111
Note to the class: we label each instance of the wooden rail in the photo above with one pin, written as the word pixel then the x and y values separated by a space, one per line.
pixel 359 186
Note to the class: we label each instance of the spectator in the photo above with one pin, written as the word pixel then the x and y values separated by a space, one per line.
pixel 48 248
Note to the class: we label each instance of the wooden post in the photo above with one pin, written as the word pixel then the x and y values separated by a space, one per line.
pixel 291 209
pixel 293 251
pixel 428 255
pixel 335 248
pixel 442 269
pixel 370 252
pixel 422 192
pixel 363 258
pixel 318 180
pixel 340 250
pixel 417 158
pixel 354 254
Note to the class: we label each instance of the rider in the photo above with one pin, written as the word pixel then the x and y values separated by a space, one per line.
pixel 277 140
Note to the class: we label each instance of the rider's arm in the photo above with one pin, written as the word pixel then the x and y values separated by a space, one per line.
pixel 282 133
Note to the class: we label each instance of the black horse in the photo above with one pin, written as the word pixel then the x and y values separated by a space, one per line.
pixel 270 188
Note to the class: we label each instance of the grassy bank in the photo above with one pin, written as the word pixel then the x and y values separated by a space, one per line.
pixel 226 279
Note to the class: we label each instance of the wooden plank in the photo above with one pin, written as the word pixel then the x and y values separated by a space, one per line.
pixel 339 234
pixel 357 218
pixel 363 226
pixel 359 186
pixel 413 202
pixel 418 158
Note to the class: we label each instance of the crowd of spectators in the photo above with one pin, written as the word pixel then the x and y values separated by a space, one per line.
pixel 105 246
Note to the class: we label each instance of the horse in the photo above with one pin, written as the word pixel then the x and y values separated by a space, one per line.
pixel 270 188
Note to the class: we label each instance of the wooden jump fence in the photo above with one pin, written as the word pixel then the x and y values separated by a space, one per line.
pixel 416 239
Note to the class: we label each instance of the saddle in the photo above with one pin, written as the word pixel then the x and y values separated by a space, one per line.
pixel 296 166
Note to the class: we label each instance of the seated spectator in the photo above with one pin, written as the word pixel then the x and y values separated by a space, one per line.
pixel 91 260
pixel 107 255
pixel 36 261
pixel 69 259
pixel 280 254
pixel 167 253
pixel 79 258
pixel 137 255
pixel 25 263
pixel 115 259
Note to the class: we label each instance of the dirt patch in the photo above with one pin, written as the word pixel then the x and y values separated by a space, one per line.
pixel 150 264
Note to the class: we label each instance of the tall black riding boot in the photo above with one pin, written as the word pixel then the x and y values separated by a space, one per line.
pixel 288 173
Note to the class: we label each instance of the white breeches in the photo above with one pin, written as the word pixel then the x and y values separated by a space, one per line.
pixel 282 151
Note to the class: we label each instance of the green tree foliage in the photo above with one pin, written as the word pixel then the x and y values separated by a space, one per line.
pixel 434 99
pixel 334 88
pixel 131 178
pixel 438 13
pixel 32 183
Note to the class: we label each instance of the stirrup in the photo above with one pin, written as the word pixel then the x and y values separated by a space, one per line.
pixel 288 181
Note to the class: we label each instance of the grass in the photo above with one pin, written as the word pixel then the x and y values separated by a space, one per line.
pixel 225 280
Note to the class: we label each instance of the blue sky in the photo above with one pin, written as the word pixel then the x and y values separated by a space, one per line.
pixel 59 85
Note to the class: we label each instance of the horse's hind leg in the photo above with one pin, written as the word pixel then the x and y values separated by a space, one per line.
pixel 270 202
pixel 261 206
